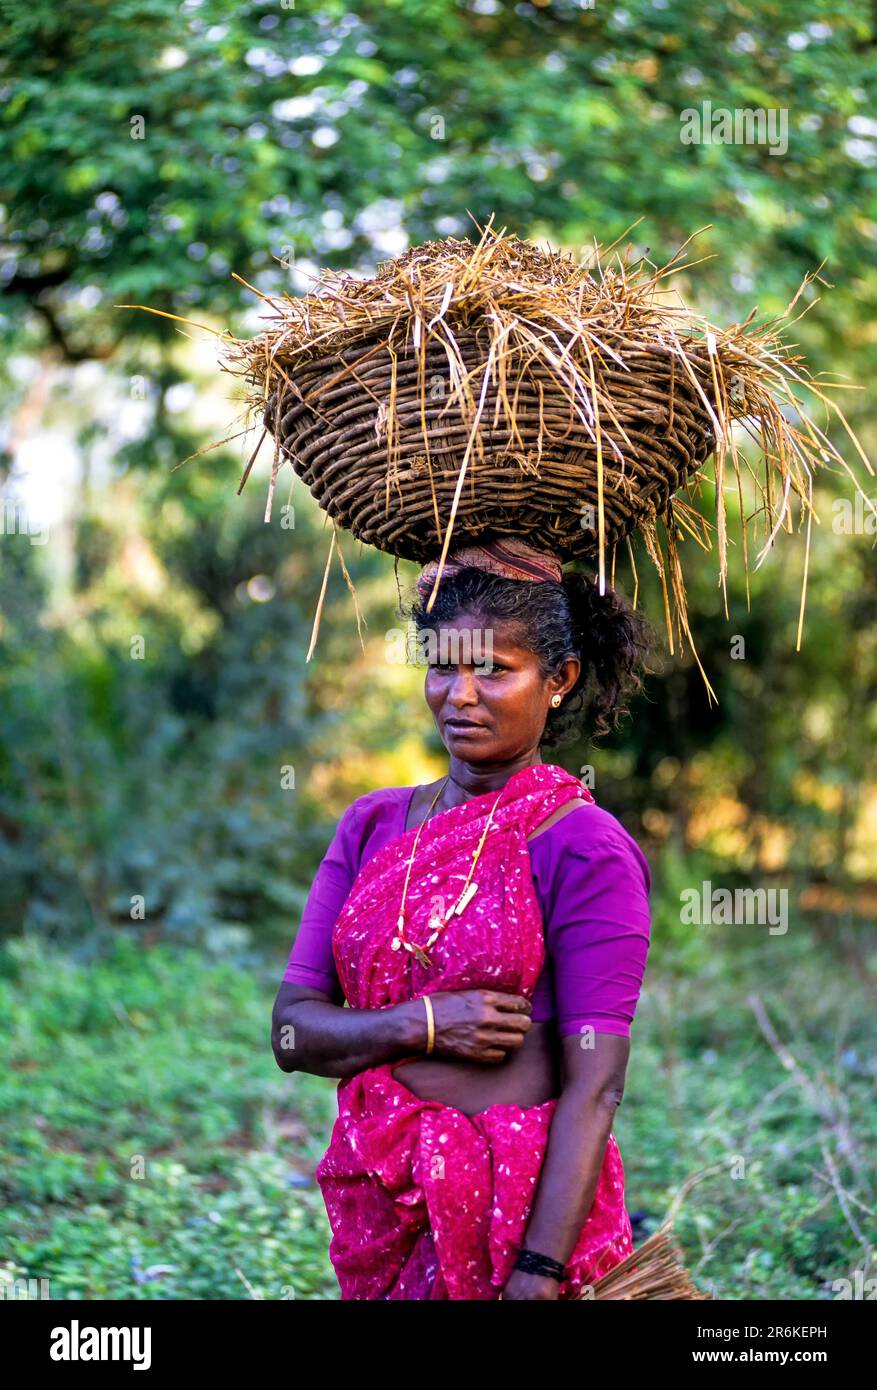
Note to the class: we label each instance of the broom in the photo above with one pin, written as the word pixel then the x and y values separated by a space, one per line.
pixel 655 1270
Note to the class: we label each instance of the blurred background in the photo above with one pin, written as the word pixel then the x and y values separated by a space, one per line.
pixel 171 768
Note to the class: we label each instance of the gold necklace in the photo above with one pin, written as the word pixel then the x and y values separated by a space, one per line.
pixel 467 892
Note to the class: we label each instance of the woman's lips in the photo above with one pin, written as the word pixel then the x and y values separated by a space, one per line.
pixel 463 726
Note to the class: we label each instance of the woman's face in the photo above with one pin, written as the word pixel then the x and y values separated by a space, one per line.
pixel 487 694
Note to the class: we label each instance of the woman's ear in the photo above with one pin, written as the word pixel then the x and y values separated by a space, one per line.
pixel 564 680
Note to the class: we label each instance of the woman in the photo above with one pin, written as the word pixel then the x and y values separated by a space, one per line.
pixel 473 1154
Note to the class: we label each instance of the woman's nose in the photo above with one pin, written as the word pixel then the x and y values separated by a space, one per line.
pixel 463 689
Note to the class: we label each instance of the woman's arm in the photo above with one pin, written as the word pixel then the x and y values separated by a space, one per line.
pixel 310 1029
pixel 598 929
pixel 574 1156
pixel 310 1033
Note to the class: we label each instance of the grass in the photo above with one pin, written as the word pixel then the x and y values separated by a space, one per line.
pixel 152 1150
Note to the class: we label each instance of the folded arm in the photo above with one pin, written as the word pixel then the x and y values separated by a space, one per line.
pixel 311 1033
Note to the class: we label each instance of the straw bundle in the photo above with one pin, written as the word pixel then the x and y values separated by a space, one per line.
pixel 655 1270
pixel 497 389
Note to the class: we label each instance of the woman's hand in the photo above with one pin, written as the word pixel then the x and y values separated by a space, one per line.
pixel 529 1287
pixel 479 1025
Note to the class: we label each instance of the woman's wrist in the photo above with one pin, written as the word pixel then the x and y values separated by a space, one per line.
pixel 531 1261
pixel 529 1287
pixel 413 1026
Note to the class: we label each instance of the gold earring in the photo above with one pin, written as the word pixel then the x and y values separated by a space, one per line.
pixel 556 700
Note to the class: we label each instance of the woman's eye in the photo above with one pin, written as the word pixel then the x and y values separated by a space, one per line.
pixel 481 668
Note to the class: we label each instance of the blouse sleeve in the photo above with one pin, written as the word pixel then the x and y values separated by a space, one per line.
pixel 311 962
pixel 598 933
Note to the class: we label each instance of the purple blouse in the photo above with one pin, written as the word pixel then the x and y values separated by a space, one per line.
pixel 592 881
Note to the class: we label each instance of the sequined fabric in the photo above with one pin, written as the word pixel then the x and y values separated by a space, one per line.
pixel 424 1201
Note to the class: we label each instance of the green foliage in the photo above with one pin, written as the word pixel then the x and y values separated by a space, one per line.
pixel 157 1058
pixel 771 1154
pixel 270 133
pixel 147 1129
pixel 157 744
pixel 153 690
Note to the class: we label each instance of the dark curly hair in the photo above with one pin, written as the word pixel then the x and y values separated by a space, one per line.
pixel 557 621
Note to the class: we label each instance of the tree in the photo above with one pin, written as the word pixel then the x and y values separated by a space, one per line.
pixel 152 150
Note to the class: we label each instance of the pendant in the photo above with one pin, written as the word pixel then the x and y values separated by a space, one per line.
pixel 465 899
pixel 421 956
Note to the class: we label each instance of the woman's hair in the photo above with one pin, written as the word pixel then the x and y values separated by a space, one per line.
pixel 556 621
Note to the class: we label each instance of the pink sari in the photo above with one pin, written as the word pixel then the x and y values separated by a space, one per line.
pixel 424 1201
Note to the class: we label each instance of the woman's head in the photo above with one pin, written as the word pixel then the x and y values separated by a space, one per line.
pixel 501 651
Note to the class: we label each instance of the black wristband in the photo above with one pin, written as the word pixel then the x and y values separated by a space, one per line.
pixel 531 1262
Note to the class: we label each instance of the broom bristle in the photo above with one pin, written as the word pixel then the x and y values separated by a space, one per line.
pixel 655 1270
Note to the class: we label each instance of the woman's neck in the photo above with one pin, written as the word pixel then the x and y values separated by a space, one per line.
pixel 466 780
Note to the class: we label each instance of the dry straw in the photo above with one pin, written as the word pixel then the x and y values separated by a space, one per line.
pixel 655 1271
pixel 497 388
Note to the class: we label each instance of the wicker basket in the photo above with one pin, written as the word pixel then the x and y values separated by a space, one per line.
pixel 537 474
pixel 473 392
